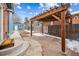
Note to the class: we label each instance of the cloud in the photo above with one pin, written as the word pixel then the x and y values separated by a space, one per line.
pixel 51 5
pixel 19 7
pixel 42 7
pixel 22 12
pixel 70 10
pixel 36 13
pixel 17 3
pixel 47 6
pixel 28 7
pixel 75 4
pixel 31 13
pixel 71 4
pixel 41 4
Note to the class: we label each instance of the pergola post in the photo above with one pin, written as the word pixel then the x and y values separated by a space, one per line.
pixel 31 27
pixel 42 28
pixel 63 30
pixel 71 29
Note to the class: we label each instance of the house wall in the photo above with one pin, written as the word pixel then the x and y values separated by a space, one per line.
pixel 7 18
pixel 75 18
pixel 18 26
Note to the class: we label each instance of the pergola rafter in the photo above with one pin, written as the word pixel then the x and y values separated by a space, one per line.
pixel 50 12
pixel 56 17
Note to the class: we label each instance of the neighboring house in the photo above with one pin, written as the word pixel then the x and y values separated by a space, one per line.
pixel 36 26
pixel 26 25
pixel 18 26
pixel 6 15
pixel 76 21
pixel 75 17
pixel 17 23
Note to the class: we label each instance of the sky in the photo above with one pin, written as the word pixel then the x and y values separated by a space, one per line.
pixel 29 10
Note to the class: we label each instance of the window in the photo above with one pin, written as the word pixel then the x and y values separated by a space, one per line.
pixel 76 18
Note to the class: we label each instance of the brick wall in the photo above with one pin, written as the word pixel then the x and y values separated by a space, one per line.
pixel 5 18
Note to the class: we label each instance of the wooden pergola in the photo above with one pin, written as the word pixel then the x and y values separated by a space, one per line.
pixel 57 14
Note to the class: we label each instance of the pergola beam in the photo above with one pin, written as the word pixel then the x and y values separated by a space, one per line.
pixel 63 30
pixel 31 27
pixel 42 28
